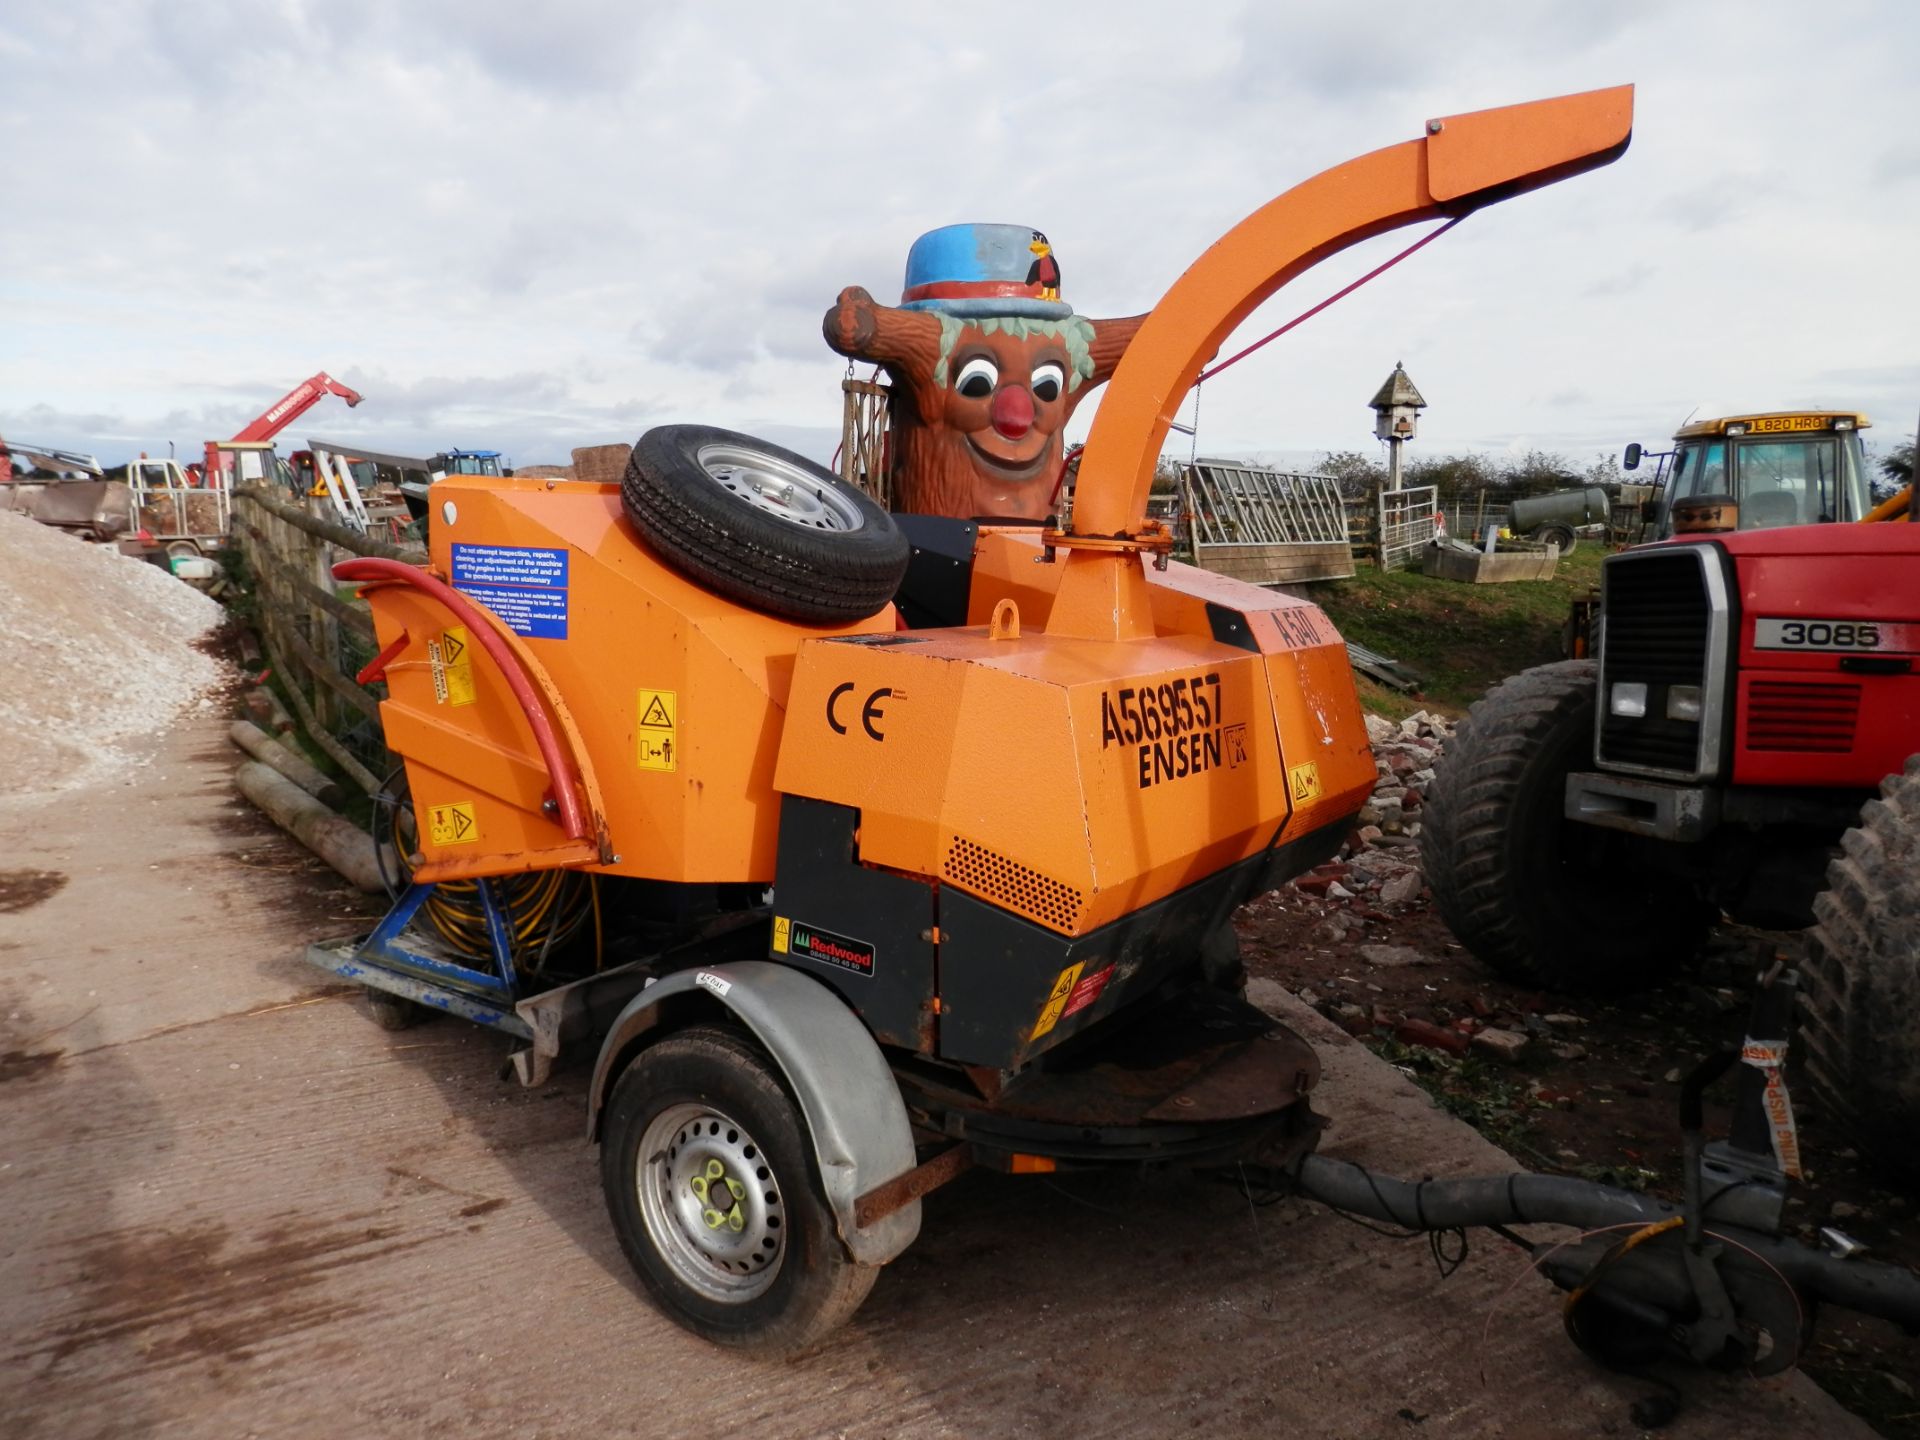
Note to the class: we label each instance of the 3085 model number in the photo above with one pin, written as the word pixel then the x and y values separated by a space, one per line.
pixel 1819 635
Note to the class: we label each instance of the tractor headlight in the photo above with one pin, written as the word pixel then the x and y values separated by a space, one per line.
pixel 1683 702
pixel 1628 698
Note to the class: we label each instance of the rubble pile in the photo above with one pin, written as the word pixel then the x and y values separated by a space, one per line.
pixel 1378 867
pixel 1374 883
pixel 97 649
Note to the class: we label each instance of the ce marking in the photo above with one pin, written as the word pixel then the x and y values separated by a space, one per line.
pixel 870 713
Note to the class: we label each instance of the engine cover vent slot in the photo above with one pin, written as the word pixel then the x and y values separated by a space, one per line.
pixel 1008 883
pixel 1797 716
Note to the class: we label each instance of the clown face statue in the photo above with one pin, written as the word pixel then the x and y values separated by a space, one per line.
pixel 986 364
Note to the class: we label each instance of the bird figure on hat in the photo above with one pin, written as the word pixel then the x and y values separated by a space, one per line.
pixel 986 363
pixel 1044 273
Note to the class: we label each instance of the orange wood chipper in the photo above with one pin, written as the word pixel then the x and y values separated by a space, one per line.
pixel 867 850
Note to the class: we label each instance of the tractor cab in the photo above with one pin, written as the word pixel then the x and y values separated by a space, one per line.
pixel 1781 468
pixel 467 462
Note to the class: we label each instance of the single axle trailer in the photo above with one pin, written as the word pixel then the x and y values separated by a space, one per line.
pixel 863 852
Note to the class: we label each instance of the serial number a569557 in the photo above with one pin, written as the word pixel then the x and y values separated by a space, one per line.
pixel 1159 712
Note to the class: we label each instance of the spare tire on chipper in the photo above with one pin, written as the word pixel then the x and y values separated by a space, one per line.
pixel 762 525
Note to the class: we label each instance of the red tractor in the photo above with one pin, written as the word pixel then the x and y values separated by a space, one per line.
pixel 1744 742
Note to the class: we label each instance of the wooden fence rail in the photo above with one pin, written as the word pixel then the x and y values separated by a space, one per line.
pixel 316 637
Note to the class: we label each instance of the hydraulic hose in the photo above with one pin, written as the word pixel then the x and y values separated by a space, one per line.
pixel 574 820
pixel 1890 1292
pixel 1517 1199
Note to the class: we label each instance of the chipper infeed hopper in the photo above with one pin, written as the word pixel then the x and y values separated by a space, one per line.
pixel 868 852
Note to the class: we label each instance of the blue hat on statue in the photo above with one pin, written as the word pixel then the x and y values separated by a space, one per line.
pixel 978 270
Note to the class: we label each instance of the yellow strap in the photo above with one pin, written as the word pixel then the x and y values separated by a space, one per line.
pixel 1645 1233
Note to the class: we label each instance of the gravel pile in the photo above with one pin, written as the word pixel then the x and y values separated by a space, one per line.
pixel 96 649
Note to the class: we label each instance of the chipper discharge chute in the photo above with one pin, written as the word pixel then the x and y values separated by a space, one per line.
pixel 869 852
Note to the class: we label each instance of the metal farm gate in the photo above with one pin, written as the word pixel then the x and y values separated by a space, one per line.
pixel 1408 521
pixel 1266 526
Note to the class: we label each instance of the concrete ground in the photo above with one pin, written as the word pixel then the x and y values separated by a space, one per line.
pixel 232 1206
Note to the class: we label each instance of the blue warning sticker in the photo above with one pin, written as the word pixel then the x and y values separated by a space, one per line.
pixel 525 586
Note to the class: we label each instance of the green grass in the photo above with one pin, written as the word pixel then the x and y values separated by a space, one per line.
pixel 1462 638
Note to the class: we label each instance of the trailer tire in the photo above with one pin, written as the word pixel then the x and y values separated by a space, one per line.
pixel 762 525
pixel 1862 980
pixel 1538 898
pixel 706 1108
pixel 1561 535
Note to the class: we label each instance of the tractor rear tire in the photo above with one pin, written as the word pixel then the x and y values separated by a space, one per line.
pixel 1862 983
pixel 1540 899
pixel 762 525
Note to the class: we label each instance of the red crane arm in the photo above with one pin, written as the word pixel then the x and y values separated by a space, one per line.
pixel 295 403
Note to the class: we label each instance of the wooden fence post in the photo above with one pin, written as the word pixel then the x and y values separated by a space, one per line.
pixel 303 618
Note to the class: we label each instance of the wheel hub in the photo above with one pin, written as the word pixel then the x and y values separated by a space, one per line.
pixel 771 485
pixel 719 1194
pixel 711 1203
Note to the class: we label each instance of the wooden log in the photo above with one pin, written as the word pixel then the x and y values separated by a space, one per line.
pixel 344 846
pixel 269 751
pixel 351 540
pixel 267 711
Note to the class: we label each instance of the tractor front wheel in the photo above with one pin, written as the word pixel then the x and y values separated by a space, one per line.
pixel 1862 982
pixel 1541 899
pixel 710 1180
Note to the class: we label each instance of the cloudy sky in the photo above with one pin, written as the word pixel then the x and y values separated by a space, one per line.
pixel 536 225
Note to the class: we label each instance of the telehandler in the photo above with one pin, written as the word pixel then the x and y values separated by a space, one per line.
pixel 868 852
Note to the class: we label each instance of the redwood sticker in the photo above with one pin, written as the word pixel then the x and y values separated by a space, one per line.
pixel 830 949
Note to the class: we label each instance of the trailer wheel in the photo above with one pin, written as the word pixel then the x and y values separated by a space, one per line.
pixel 710 1180
pixel 1862 983
pixel 1540 899
pixel 1561 535
pixel 763 525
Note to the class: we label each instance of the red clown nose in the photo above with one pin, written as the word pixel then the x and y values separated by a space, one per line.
pixel 1012 411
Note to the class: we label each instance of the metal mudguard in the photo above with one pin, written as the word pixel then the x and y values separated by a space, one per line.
pixel 855 1116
